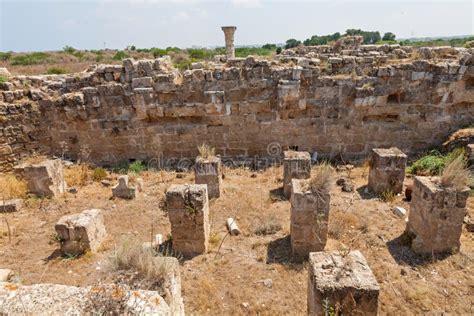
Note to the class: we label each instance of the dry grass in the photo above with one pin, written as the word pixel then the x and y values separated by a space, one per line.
pixel 322 178
pixel 99 174
pixel 388 196
pixel 11 187
pixel 455 175
pixel 267 226
pixel 77 175
pixel 206 151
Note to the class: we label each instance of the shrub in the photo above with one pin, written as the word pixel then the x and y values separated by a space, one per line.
pixel 387 196
pixel 69 49
pixel 99 174
pixel 3 79
pixel 29 59
pixel 206 151
pixel 77 175
pixel 5 56
pixel 455 174
pixel 11 187
pixel 321 180
pixel 120 55
pixel 136 167
pixel 55 71
pixel 433 163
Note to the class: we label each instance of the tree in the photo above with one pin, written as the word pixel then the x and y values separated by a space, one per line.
pixel 269 46
pixel 389 36
pixel 292 43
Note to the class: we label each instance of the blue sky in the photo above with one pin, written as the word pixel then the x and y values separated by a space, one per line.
pixel 91 24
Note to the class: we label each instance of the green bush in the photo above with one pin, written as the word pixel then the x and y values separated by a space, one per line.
pixel 3 79
pixel 136 167
pixel 55 71
pixel 120 55
pixel 29 59
pixel 433 162
pixel 5 56
pixel 99 174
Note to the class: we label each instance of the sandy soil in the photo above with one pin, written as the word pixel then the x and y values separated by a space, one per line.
pixel 229 281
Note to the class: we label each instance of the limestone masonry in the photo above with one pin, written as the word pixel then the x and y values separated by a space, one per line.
pixel 339 101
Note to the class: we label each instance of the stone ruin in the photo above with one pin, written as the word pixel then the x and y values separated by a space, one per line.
pixel 45 178
pixel 9 206
pixel 436 217
pixel 229 40
pixel 296 165
pixel 79 233
pixel 387 170
pixel 336 103
pixel 309 219
pixel 470 154
pixel 341 284
pixel 188 212
pixel 123 190
pixel 209 172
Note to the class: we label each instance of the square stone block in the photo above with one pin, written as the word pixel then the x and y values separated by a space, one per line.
pixel 188 211
pixel 436 216
pixel 45 178
pixel 387 170
pixel 209 171
pixel 296 165
pixel 309 219
pixel 9 206
pixel 81 232
pixel 342 282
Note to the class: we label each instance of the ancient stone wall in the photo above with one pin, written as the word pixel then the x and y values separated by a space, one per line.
pixel 320 99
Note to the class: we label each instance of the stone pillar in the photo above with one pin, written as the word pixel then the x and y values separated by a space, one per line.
pixel 342 283
pixel 387 170
pixel 470 154
pixel 436 216
pixel 188 211
pixel 79 233
pixel 208 171
pixel 296 165
pixel 45 178
pixel 123 190
pixel 309 220
pixel 229 41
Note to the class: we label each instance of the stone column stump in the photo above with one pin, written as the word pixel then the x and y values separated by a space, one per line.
pixel 309 220
pixel 188 211
pixel 123 190
pixel 341 282
pixel 436 216
pixel 296 165
pixel 45 179
pixel 209 171
pixel 387 170
pixel 79 233
pixel 229 41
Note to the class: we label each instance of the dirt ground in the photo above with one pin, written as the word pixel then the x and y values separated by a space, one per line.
pixel 230 281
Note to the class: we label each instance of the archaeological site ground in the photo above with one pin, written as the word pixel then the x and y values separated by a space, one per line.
pixel 324 180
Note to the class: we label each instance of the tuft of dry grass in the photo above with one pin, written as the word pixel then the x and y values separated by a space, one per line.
pixel 321 179
pixel 99 174
pixel 77 175
pixel 388 196
pixel 214 238
pixel 456 175
pixel 267 226
pixel 11 187
pixel 206 151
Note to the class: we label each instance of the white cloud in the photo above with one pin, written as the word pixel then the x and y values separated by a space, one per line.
pixel 247 3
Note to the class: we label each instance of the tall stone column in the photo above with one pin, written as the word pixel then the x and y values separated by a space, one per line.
pixel 229 40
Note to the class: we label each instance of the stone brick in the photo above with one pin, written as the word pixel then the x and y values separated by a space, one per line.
pixel 343 282
pixel 387 170
pixel 188 211
pixel 9 206
pixel 45 178
pixel 79 233
pixel 309 219
pixel 470 154
pixel 296 165
pixel 209 172
pixel 436 216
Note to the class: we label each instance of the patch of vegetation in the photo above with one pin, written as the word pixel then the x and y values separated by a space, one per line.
pixel 259 51
pixel 77 175
pixel 136 167
pixel 388 196
pixel 120 55
pixel 4 56
pixel 268 226
pixel 3 79
pixel 433 163
pixel 456 175
pixel 11 187
pixel 322 178
pixel 56 71
pixel 99 174
pixel 29 59
pixel 206 151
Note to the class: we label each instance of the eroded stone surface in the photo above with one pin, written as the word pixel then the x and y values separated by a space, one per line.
pixel 296 165
pixel 123 190
pixel 45 178
pixel 81 232
pixel 8 206
pixel 342 281
pixel 209 172
pixel 436 216
pixel 188 211
pixel 470 154
pixel 309 219
pixel 387 170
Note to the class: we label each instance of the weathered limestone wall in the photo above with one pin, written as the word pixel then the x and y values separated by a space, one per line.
pixel 345 102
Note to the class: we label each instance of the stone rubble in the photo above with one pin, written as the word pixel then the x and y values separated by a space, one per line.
pixel 123 190
pixel 45 179
pixel 9 206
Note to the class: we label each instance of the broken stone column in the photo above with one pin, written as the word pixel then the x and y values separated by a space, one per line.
pixel 122 190
pixel 229 40
pixel 208 171
pixel 436 216
pixel 387 170
pixel 296 165
pixel 79 233
pixel 309 219
pixel 45 179
pixel 188 211
pixel 342 283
